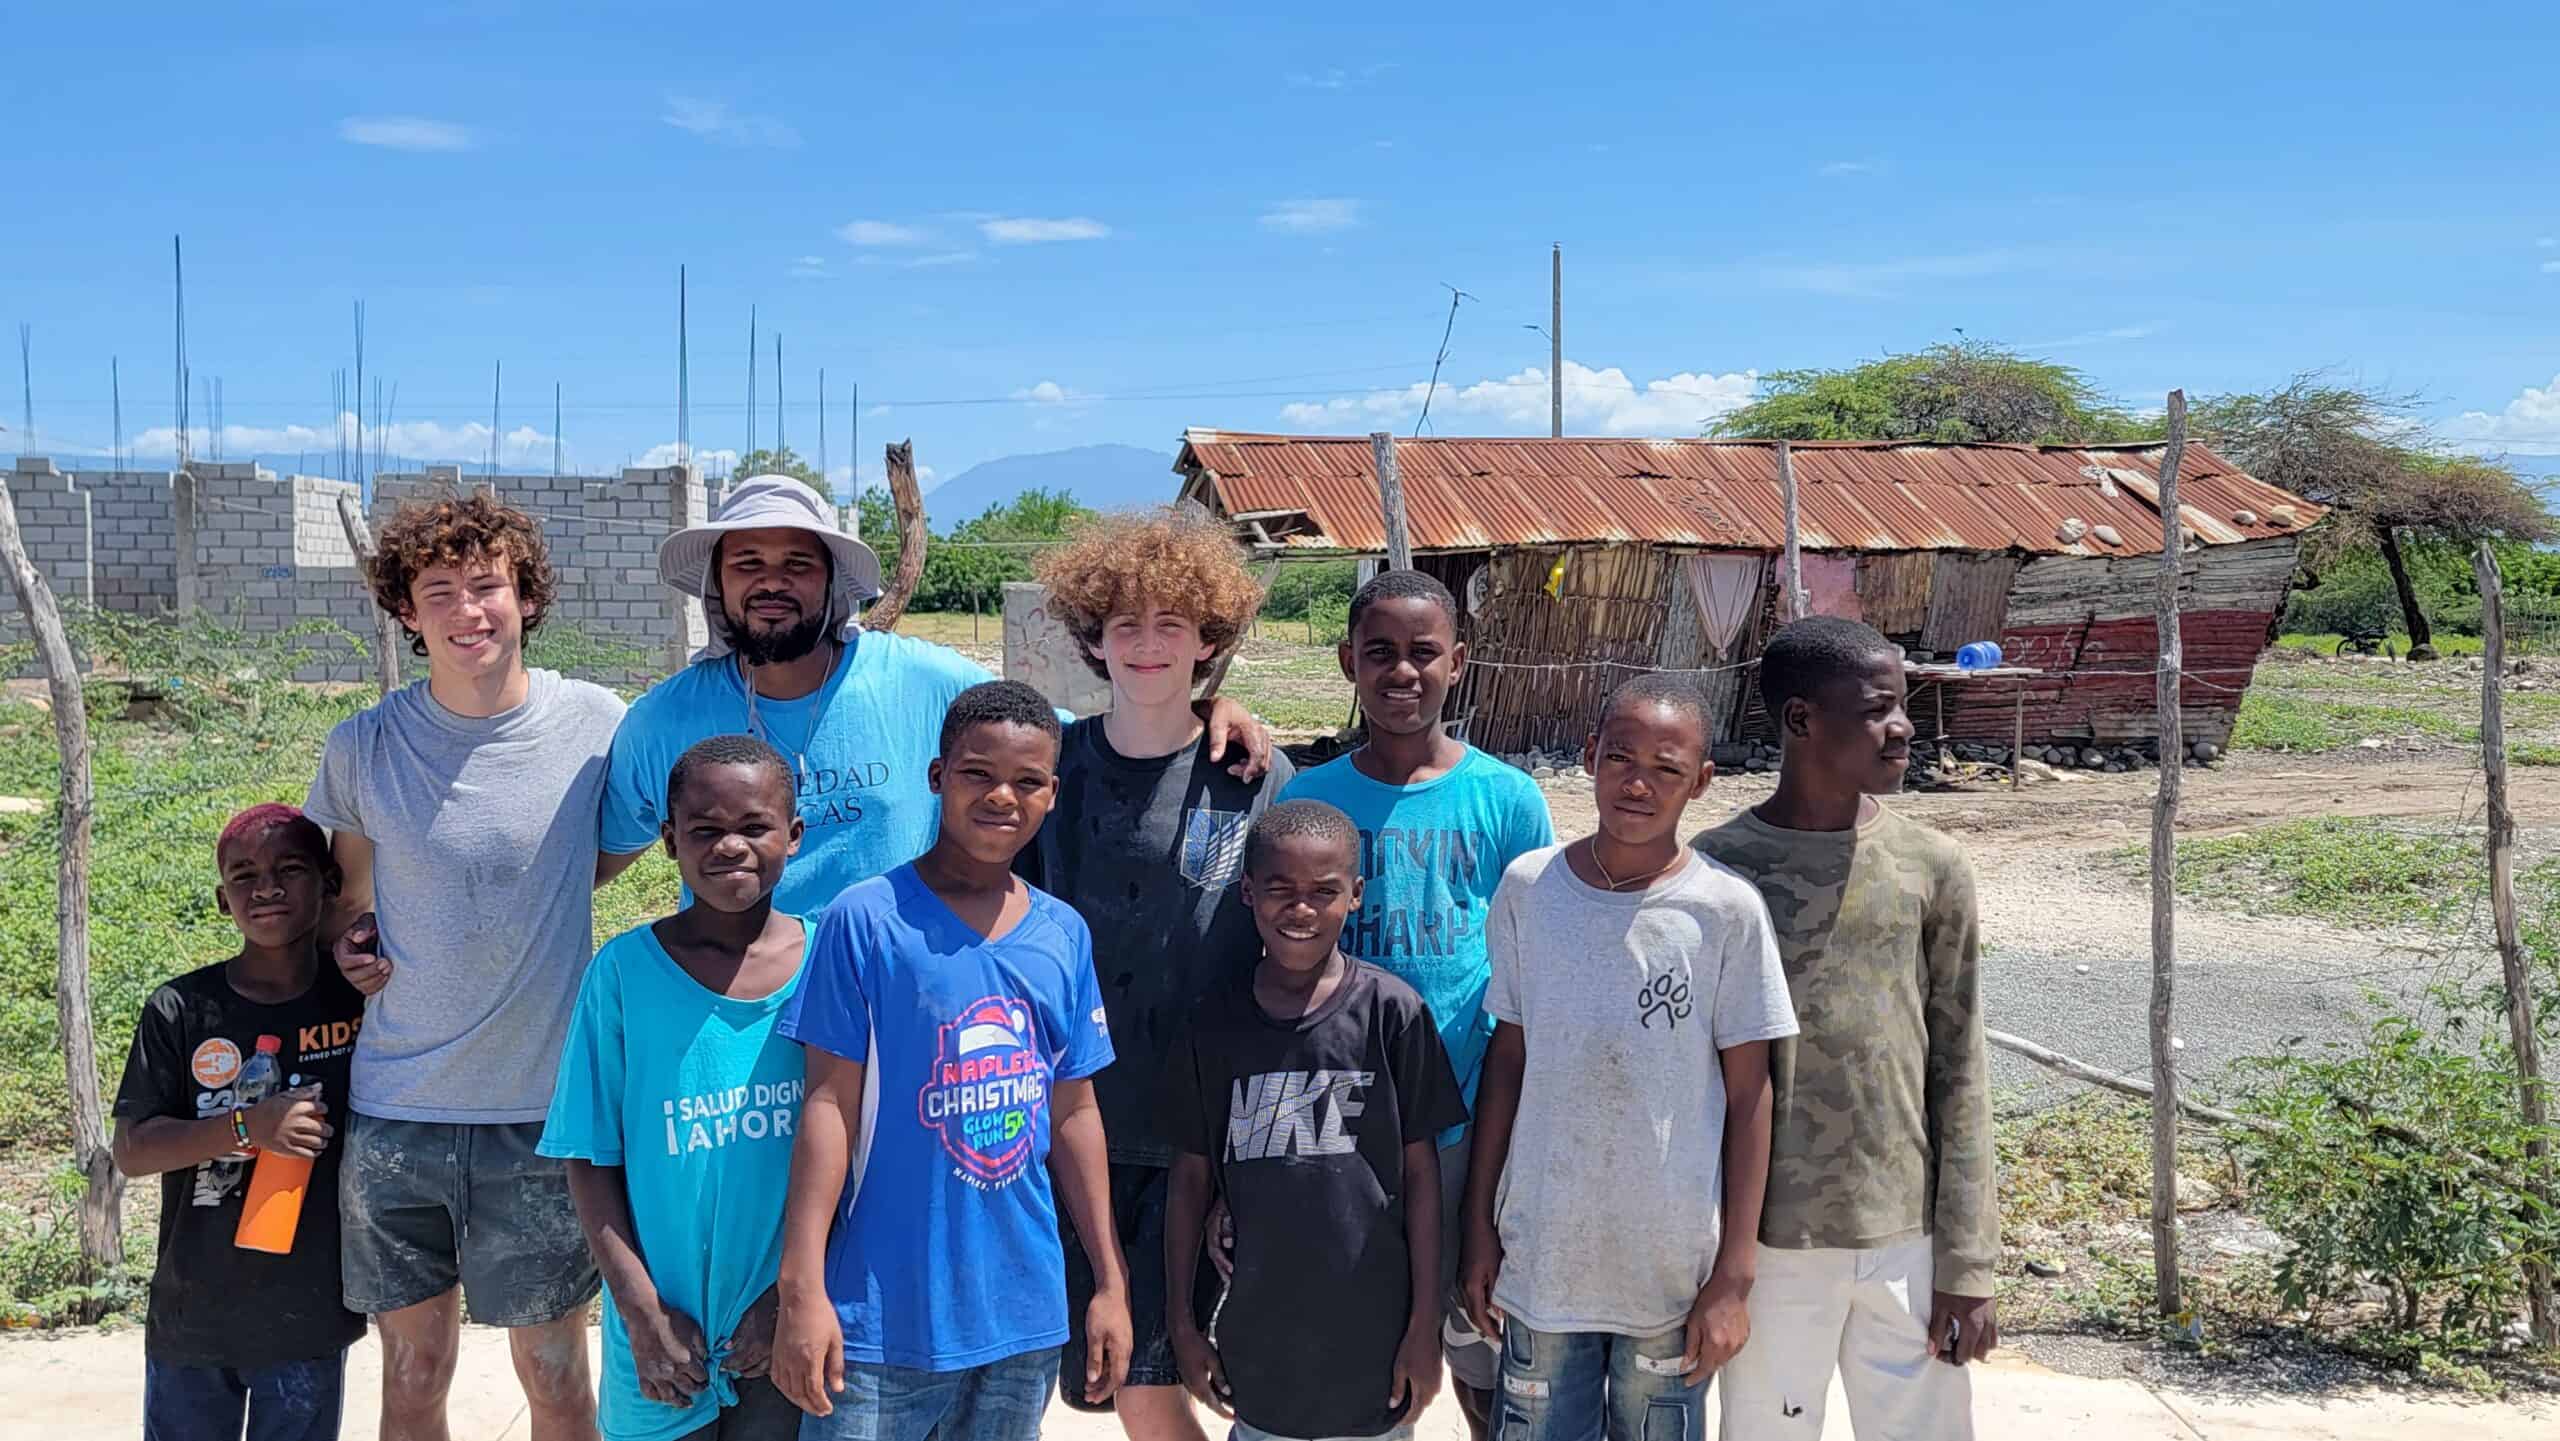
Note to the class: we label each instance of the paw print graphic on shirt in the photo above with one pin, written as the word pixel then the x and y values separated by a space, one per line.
pixel 1666 996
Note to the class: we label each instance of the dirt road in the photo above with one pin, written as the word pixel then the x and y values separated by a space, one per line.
pixel 2066 919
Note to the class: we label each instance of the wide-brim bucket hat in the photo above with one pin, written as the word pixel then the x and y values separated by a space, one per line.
pixel 771 502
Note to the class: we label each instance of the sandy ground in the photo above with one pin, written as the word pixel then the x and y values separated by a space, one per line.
pixel 86 1386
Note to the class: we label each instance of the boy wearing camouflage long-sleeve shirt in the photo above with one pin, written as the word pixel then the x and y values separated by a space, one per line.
pixel 1881 1228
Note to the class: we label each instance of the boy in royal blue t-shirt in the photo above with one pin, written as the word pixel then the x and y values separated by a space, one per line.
pixel 928 1296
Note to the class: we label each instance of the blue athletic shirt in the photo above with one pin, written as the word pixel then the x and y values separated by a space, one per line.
pixel 697 1098
pixel 858 745
pixel 1431 856
pixel 945 1251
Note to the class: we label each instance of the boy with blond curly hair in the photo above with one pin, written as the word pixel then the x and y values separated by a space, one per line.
pixel 1145 841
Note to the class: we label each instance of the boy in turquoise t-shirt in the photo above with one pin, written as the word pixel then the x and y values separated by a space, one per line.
pixel 1439 822
pixel 676 1109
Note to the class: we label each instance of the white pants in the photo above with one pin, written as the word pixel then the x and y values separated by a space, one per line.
pixel 1861 1314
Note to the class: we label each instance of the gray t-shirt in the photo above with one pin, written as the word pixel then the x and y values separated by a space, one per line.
pixel 1610 1209
pixel 484 852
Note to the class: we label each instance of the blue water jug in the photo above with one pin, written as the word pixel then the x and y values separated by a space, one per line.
pixel 1980 655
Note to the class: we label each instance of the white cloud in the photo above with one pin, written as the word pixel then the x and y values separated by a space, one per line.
pixel 710 461
pixel 932 261
pixel 407 440
pixel 1335 77
pixel 1842 168
pixel 880 232
pixel 2551 267
pixel 809 267
pixel 2547 242
pixel 2530 425
pixel 405 132
pixel 1596 402
pixel 1868 279
pixel 714 120
pixel 1312 217
pixel 1049 392
pixel 1025 230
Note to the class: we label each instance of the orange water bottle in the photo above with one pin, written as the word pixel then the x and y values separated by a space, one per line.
pixel 273 1208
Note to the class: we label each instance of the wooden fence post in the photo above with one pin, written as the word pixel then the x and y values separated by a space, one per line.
pixel 2164 880
pixel 386 627
pixel 101 1219
pixel 2502 908
pixel 901 586
pixel 1382 451
pixel 1792 604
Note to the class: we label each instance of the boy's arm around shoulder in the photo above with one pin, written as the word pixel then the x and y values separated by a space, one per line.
pixel 1966 1199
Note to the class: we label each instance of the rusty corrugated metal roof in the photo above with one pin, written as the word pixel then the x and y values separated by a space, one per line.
pixel 1472 494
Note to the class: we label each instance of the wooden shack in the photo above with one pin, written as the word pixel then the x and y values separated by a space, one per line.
pixel 1578 562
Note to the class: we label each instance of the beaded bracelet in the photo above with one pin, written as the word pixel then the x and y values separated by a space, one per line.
pixel 240 1127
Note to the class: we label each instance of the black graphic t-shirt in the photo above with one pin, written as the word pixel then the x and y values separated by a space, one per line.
pixel 1305 1123
pixel 212 1302
pixel 1148 852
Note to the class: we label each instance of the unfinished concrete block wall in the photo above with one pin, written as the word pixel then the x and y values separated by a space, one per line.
pixel 271 552
pixel 133 540
pixel 53 516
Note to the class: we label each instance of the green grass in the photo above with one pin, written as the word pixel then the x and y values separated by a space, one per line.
pixel 2271 719
pixel 2348 870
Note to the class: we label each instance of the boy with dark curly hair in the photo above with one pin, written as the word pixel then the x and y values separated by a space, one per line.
pixel 1145 841
pixel 463 812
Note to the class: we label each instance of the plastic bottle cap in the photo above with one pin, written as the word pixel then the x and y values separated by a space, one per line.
pixel 269 1045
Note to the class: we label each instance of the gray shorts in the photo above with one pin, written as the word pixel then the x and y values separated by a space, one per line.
pixel 427 1205
pixel 1473 1361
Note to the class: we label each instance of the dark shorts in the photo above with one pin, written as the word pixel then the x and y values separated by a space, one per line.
pixel 427 1205
pixel 763 1413
pixel 295 1401
pixel 1137 1212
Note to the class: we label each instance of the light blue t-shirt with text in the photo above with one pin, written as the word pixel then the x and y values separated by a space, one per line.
pixel 1431 856
pixel 696 1096
pixel 858 744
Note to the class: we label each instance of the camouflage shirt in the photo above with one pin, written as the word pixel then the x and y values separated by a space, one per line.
pixel 1883 1100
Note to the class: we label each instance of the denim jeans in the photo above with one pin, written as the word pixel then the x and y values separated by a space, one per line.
pixel 1564 1386
pixel 291 1401
pixel 999 1401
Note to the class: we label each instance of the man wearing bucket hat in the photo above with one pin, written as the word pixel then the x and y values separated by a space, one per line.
pixel 857 713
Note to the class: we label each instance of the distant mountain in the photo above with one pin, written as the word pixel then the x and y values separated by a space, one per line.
pixel 1100 477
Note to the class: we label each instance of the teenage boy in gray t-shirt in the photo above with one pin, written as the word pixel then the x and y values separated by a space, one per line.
pixel 1636 988
pixel 463 811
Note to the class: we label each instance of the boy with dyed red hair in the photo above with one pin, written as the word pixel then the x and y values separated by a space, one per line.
pixel 237 1336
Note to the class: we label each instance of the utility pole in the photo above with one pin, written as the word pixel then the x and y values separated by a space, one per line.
pixel 1791 602
pixel 1382 452
pixel 26 388
pixel 115 388
pixel 1555 341
pixel 684 381
pixel 853 443
pixel 822 422
pixel 555 427
pixel 751 381
pixel 779 444
pixel 497 374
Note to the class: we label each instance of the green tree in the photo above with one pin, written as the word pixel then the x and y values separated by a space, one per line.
pixel 2355 450
pixel 1968 391
pixel 785 461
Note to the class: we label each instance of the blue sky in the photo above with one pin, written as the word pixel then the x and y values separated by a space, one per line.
pixel 1028 227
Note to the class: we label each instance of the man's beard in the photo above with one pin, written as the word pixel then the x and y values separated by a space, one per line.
pixel 776 647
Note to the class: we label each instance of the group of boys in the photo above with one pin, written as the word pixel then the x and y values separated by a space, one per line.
pixel 1193 1047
